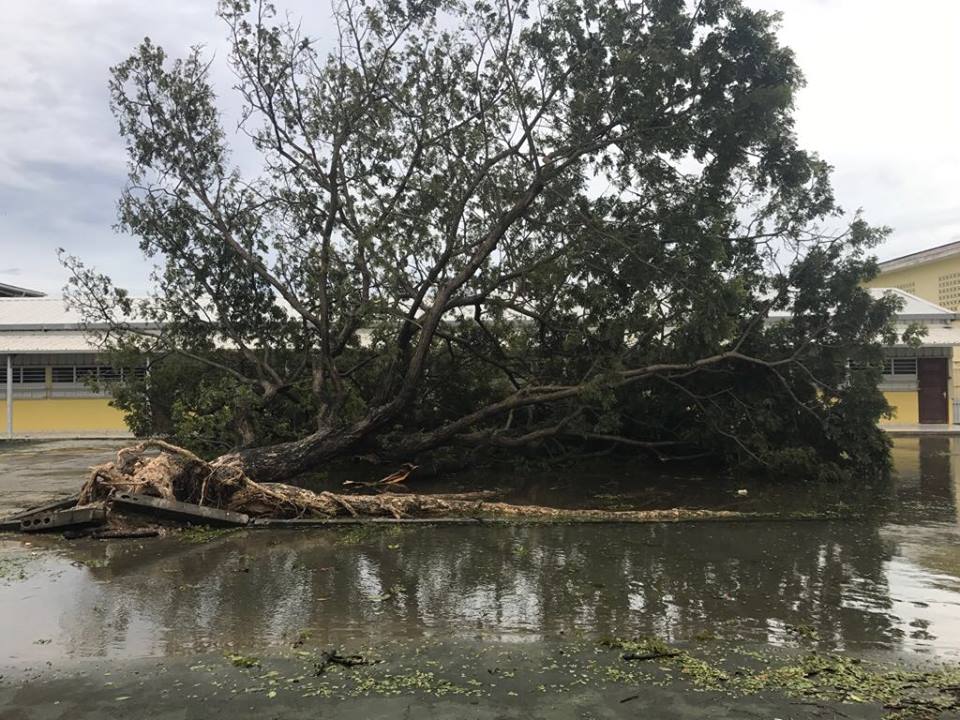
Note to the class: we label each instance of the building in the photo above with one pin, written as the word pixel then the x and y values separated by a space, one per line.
pixel 933 275
pixel 48 358
pixel 918 382
pixel 47 362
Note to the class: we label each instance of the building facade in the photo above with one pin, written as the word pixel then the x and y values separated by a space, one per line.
pixel 49 361
pixel 918 381
pixel 931 277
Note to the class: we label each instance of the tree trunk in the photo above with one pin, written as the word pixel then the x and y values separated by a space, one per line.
pixel 284 461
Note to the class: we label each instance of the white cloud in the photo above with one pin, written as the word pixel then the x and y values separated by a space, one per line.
pixel 61 162
pixel 882 104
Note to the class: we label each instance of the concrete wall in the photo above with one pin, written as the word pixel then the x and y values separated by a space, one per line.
pixel 85 416
pixel 906 408
pixel 937 281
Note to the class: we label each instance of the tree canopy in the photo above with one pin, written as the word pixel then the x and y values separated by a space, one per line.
pixel 565 224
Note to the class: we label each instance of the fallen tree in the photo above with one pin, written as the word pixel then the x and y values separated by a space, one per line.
pixel 427 263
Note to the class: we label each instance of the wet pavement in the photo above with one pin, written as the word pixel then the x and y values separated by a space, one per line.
pixel 510 621
pixel 35 472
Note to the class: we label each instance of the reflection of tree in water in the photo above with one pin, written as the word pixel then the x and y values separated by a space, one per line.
pixel 673 580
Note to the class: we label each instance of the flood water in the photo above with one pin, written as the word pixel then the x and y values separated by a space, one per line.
pixel 888 584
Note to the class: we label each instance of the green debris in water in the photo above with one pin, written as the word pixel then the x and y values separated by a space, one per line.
pixel 203 533
pixel 243 661
pixel 904 693
pixel 13 568
pixel 414 681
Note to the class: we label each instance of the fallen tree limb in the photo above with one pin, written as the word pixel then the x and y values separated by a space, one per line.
pixel 650 655
pixel 333 657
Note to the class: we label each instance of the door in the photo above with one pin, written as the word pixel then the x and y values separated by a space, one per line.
pixel 932 381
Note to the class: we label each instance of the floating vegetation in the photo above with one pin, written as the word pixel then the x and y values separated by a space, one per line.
pixel 243 661
pixel 359 534
pixel 643 649
pixel 422 681
pixel 13 567
pixel 203 533
pixel 902 692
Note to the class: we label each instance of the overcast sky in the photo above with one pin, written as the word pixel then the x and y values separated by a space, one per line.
pixel 882 105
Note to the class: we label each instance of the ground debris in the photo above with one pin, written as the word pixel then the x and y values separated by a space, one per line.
pixel 333 657
pixel 176 510
pixel 905 694
pixel 64 519
pixel 124 533
pixel 243 661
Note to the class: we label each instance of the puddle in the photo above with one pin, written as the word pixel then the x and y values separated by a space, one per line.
pixel 890 583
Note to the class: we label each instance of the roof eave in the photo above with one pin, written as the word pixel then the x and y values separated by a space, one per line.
pixel 15 291
pixel 920 257
pixel 72 327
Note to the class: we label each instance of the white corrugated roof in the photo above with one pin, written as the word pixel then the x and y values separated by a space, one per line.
pixel 44 325
pixel 937 334
pixel 40 341
pixel 36 312
pixel 39 314
pixel 915 308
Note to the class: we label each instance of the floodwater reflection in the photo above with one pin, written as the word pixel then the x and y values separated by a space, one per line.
pixel 889 583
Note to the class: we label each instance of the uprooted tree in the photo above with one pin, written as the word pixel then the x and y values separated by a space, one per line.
pixel 569 224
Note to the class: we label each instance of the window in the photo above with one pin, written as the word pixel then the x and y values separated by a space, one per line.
pixel 898 366
pixel 63 375
pixel 34 375
pixel 108 374
pixel 86 373
pixel 67 374
pixel 37 375
pixel 903 366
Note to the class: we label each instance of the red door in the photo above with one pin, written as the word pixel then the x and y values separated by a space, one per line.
pixel 932 381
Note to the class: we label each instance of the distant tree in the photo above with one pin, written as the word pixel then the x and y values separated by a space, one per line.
pixel 482 225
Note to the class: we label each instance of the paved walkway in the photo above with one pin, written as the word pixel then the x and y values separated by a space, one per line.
pixel 922 429
pixel 36 472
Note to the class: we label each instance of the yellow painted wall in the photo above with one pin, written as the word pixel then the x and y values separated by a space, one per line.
pixel 937 282
pixel 906 408
pixel 925 281
pixel 63 415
